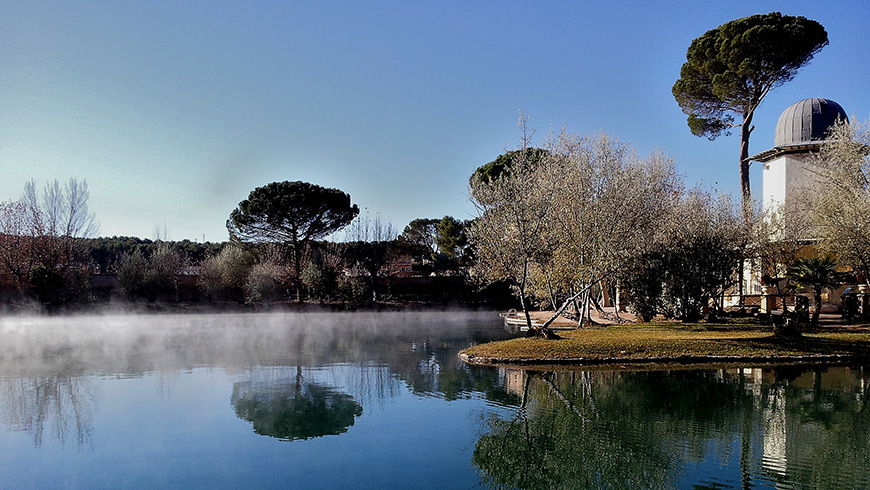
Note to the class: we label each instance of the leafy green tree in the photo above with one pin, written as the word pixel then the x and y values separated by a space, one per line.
pixel 132 270
pixel 818 273
pixel 319 279
pixel 731 68
pixel 166 265
pixel 513 206
pixel 263 284
pixel 153 275
pixel 691 263
pixel 503 164
pixel 419 238
pixel 353 290
pixel 642 286
pixel 320 274
pixel 291 213
pixel 224 275
pixel 451 238
pixel 372 258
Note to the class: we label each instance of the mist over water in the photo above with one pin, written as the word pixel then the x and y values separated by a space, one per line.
pixel 140 343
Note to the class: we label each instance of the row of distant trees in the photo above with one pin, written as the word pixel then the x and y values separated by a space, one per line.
pixel 563 223
pixel 277 253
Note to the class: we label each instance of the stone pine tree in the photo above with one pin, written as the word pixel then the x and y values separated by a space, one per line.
pixel 291 213
pixel 730 69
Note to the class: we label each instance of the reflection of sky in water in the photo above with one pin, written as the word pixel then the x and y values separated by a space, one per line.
pixel 179 430
pixel 173 425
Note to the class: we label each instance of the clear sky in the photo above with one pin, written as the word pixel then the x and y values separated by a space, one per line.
pixel 173 111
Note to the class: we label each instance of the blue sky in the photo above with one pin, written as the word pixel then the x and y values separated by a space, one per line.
pixel 174 111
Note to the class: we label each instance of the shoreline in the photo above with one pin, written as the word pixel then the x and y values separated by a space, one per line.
pixel 676 344
pixel 685 360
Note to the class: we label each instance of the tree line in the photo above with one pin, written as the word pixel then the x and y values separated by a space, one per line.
pixel 278 252
pixel 563 223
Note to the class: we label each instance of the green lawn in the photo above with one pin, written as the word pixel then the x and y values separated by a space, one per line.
pixel 676 342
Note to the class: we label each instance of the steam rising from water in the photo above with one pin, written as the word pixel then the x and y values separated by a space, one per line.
pixel 140 343
pixel 50 367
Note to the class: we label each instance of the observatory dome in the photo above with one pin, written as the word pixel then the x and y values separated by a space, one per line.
pixel 807 122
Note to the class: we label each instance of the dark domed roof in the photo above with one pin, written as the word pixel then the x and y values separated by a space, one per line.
pixel 807 121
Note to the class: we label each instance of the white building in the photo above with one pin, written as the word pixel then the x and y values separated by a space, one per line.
pixel 802 128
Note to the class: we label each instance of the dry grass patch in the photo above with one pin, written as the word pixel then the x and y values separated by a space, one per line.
pixel 669 341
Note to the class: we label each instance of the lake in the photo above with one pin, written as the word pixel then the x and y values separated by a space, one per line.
pixel 375 400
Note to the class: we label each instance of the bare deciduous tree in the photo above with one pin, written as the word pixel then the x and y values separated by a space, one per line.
pixel 514 209
pixel 570 216
pixel 780 235
pixel 842 206
pixel 44 230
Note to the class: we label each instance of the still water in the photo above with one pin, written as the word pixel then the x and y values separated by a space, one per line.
pixel 363 400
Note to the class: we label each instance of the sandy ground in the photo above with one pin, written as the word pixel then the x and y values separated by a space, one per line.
pixel 606 318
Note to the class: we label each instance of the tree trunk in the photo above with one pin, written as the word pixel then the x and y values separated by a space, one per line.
pixel 297 269
pixel 376 285
pixel 587 307
pixel 526 312
pixel 565 305
pixel 550 291
pixel 745 191
pixel 576 308
pixel 522 287
pixel 817 310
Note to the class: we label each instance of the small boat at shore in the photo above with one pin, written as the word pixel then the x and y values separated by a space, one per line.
pixel 514 320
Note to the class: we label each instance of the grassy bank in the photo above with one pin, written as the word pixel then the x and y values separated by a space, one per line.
pixel 669 342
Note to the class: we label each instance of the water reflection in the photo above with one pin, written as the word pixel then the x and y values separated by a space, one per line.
pixel 392 389
pixel 50 366
pixel 705 429
pixel 60 404
pixel 292 408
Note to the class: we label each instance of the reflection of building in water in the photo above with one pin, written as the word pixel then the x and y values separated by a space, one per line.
pixel 514 380
pixel 794 403
pixel 769 401
pixel 774 455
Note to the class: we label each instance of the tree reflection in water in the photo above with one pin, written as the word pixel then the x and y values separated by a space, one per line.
pixel 581 429
pixel 62 404
pixel 294 409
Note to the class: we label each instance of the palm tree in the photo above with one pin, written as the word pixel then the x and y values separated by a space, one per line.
pixel 818 273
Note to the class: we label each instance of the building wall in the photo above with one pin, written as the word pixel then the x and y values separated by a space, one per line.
pixel 783 177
